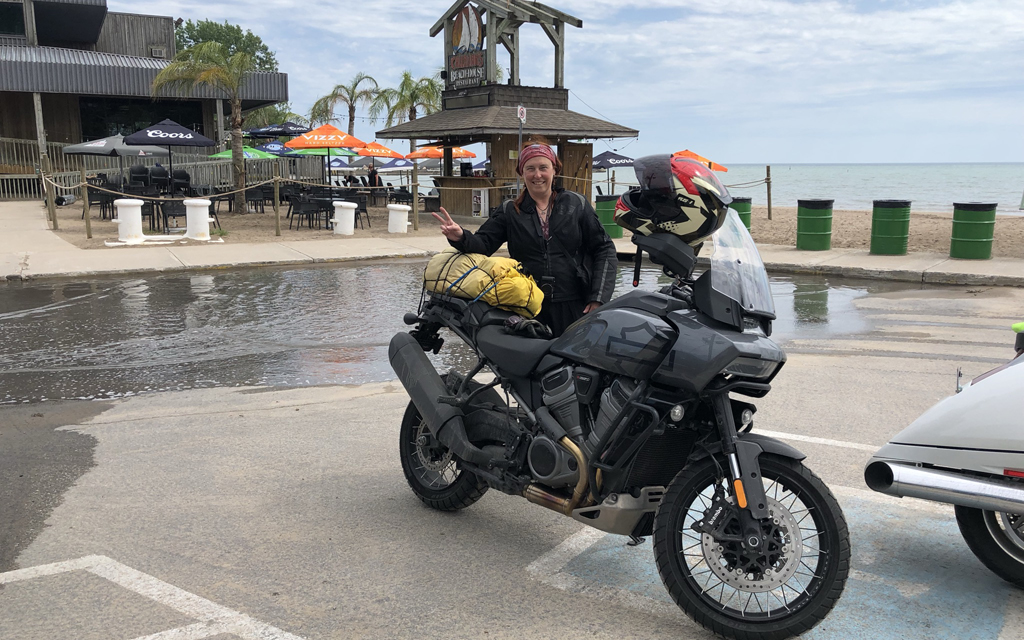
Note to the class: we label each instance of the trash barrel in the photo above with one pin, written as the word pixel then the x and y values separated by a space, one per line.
pixel 974 226
pixel 890 227
pixel 606 214
pixel 814 225
pixel 742 207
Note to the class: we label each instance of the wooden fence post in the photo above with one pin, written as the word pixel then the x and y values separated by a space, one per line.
pixel 85 206
pixel 768 181
pixel 48 191
pixel 277 199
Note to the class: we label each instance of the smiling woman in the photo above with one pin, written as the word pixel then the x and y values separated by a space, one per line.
pixel 554 233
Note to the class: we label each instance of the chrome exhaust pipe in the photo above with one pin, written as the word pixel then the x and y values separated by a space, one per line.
pixel 909 481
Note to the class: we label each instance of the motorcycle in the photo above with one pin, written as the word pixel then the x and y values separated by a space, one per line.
pixel 626 423
pixel 968 451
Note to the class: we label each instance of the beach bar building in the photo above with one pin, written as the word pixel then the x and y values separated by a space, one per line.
pixel 476 107
pixel 71 71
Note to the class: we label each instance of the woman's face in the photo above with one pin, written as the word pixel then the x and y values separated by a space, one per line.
pixel 538 174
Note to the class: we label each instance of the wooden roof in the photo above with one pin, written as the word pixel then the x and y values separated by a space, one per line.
pixel 463 126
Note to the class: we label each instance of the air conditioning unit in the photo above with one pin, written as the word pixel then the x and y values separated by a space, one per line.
pixel 158 52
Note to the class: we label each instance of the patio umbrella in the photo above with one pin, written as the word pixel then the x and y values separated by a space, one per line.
pixel 114 146
pixel 274 147
pixel 247 152
pixel 168 133
pixel 283 129
pixel 686 153
pixel 438 152
pixel 610 160
pixel 377 150
pixel 325 137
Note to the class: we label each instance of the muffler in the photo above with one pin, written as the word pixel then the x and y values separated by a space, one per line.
pixel 424 387
pixel 909 481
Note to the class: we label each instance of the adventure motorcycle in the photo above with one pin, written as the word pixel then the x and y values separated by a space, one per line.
pixel 968 451
pixel 625 423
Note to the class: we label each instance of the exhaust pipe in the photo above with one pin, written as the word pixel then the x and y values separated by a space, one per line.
pixel 907 481
pixel 424 387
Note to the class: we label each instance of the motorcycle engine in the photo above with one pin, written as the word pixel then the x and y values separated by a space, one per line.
pixel 558 390
pixel 552 464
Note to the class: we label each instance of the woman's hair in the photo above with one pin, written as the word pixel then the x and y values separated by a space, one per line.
pixel 557 166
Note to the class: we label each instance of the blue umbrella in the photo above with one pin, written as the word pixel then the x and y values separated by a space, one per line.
pixel 275 147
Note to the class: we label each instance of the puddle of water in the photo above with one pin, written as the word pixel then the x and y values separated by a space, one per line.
pixel 110 338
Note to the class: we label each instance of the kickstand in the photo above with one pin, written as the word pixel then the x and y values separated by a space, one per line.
pixel 635 541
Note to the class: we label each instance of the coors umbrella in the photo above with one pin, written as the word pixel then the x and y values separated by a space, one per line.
pixel 169 133
pixel 610 160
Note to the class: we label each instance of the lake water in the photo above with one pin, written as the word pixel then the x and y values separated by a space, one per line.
pixel 930 187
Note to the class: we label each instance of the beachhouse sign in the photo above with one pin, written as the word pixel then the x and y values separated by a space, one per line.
pixel 466 61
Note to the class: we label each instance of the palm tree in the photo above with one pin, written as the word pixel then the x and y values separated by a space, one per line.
pixel 209 64
pixel 347 94
pixel 401 104
pixel 274 114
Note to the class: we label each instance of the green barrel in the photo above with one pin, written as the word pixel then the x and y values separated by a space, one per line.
pixel 606 214
pixel 890 227
pixel 974 225
pixel 742 207
pixel 814 225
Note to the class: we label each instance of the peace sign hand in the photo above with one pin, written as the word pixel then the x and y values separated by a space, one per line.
pixel 449 228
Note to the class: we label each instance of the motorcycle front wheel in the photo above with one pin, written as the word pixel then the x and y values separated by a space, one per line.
pixel 782 589
pixel 997 539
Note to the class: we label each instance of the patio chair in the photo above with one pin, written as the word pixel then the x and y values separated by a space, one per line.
pixel 104 200
pixel 139 173
pixel 159 177
pixel 172 210
pixel 254 199
pixel 303 208
pixel 180 181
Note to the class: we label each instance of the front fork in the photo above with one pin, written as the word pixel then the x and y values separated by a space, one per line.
pixel 746 488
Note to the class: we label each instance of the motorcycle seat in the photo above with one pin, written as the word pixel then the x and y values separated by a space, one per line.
pixel 515 355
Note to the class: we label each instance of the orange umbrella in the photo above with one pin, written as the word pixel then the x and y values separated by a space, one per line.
pixel 377 150
pixel 438 152
pixel 686 153
pixel 326 137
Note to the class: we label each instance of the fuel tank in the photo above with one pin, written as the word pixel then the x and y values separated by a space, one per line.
pixel 615 338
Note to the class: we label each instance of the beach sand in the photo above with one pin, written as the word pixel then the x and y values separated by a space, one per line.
pixel 929 232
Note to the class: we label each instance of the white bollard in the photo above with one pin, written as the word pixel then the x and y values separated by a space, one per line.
pixel 129 220
pixel 398 218
pixel 197 219
pixel 344 218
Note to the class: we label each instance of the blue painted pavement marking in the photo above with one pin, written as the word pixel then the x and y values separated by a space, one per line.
pixel 913 575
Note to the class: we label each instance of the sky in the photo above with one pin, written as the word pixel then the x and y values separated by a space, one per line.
pixel 738 81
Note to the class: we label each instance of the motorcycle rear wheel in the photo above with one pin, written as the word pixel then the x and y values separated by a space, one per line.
pixel 781 591
pixel 431 470
pixel 997 539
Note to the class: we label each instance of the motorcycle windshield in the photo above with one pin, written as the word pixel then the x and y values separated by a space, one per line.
pixel 737 270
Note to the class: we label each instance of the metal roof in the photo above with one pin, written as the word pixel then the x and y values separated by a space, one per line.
pixel 58 70
pixel 478 123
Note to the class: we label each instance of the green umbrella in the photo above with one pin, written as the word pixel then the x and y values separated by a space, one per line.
pixel 247 152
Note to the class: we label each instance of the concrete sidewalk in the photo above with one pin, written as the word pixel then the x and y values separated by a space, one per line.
pixel 29 251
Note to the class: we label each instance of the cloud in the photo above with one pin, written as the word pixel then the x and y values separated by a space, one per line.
pixel 788 74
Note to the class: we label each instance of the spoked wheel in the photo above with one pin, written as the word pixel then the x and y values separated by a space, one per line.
pixel 778 591
pixel 431 469
pixel 997 539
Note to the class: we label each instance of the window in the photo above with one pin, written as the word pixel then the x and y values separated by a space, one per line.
pixel 12 19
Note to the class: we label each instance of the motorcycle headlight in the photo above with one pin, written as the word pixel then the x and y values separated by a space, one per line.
pixel 751 368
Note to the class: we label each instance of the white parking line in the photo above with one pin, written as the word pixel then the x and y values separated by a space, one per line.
pixel 832 443
pixel 214 619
